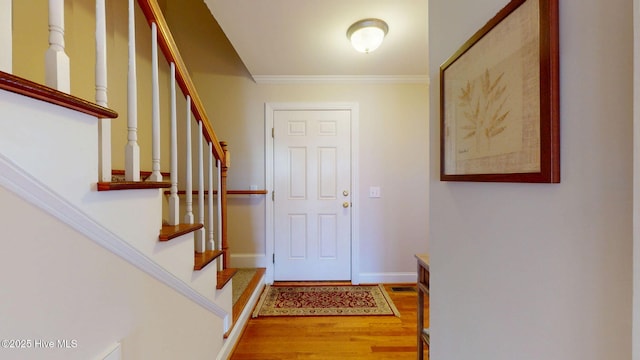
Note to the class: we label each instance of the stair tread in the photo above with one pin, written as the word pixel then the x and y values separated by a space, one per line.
pixel 224 277
pixel 169 232
pixel 244 298
pixel 132 185
pixel 203 259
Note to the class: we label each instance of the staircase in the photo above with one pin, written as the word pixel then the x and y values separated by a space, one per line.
pixel 56 153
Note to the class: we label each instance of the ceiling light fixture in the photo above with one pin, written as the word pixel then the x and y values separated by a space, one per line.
pixel 367 34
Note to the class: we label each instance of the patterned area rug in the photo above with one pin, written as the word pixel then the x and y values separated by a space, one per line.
pixel 324 300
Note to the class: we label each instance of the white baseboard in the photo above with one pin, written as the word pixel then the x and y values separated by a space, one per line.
pixel 261 260
pixel 249 260
pixel 388 278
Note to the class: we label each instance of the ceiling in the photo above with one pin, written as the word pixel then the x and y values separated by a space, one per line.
pixel 280 40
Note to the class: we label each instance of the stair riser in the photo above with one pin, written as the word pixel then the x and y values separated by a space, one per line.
pixel 177 257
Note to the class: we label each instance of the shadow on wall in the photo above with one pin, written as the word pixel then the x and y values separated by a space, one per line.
pixel 203 44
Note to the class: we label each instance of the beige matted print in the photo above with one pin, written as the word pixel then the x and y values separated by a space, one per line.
pixel 491 100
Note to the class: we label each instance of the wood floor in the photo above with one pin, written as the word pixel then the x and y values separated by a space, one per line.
pixel 344 337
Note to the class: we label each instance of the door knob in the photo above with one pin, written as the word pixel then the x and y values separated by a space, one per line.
pixel 345 193
pixel 345 204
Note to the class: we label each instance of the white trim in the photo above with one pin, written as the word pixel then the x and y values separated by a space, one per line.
pixel 341 79
pixel 355 199
pixel 33 191
pixel 238 328
pixel 268 182
pixel 248 260
pixel 226 321
pixel 389 278
pixel 115 353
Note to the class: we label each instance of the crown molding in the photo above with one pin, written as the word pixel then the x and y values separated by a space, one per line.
pixel 341 79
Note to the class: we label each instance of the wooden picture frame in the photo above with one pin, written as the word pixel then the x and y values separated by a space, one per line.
pixel 499 99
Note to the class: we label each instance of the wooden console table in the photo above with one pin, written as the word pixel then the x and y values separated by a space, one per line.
pixel 423 289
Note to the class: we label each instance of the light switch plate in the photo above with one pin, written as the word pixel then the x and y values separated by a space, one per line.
pixel 374 192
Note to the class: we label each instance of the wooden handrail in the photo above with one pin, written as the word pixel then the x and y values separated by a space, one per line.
pixel 152 12
pixel 34 90
pixel 167 44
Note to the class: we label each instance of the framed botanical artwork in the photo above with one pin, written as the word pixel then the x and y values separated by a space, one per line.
pixel 499 99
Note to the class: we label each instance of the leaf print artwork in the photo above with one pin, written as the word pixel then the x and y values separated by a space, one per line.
pixel 483 103
pixel 495 102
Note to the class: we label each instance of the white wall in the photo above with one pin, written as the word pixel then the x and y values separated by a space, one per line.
pixel 393 146
pixel 525 271
pixel 59 285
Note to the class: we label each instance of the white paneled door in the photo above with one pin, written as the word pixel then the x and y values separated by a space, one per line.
pixel 312 194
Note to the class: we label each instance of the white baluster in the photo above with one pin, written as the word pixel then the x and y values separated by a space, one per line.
pixel 101 53
pixel 57 71
pixel 210 241
pixel 155 108
pixel 132 151
pixel 188 216
pixel 200 235
pixel 104 125
pixel 174 201
pixel 6 36
pixel 219 204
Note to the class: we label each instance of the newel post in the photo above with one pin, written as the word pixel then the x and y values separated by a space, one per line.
pixel 57 67
pixel 223 204
pixel 6 36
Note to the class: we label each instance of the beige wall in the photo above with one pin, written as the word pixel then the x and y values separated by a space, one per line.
pixel 393 143
pixel 393 122
pixel 526 271
pixel 31 36
pixel 30 40
pixel 392 155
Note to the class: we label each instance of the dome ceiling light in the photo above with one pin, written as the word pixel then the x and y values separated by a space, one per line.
pixel 366 35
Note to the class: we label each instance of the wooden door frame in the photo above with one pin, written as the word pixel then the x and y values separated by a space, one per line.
pixel 269 109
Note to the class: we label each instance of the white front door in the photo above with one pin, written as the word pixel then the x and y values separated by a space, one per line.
pixel 312 194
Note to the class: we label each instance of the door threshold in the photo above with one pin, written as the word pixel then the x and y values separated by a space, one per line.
pixel 312 283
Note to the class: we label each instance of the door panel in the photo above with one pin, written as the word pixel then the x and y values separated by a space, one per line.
pixel 298 173
pixel 328 179
pixel 297 231
pixel 312 177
